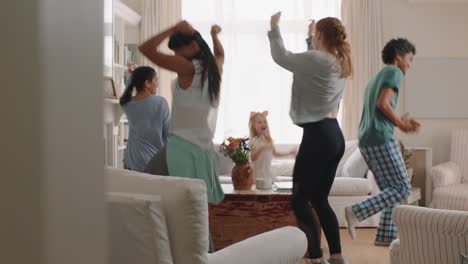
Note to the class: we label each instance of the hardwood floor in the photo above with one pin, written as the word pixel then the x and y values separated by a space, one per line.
pixel 361 250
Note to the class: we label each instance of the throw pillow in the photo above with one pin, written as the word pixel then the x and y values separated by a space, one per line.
pixel 350 147
pixel 355 166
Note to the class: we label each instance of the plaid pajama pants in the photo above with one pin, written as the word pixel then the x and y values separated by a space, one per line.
pixel 388 166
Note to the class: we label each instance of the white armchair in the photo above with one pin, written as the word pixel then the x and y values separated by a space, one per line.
pixel 429 236
pixel 450 179
pixel 184 229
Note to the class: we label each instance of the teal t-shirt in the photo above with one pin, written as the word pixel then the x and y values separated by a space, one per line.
pixel 375 128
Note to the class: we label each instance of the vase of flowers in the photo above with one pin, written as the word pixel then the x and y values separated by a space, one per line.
pixel 238 151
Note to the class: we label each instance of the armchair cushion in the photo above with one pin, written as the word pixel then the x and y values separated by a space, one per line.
pixel 445 174
pixel 137 230
pixel 453 197
pixel 185 206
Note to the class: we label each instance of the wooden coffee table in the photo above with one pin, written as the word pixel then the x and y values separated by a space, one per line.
pixel 244 214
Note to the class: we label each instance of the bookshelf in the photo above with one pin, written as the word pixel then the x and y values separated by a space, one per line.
pixel 121 38
pixel 115 133
pixel 126 35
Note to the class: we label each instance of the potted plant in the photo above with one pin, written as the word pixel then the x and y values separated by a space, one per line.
pixel 407 156
pixel 238 151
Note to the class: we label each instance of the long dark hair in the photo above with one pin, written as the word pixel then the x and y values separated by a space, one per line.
pixel 139 76
pixel 210 67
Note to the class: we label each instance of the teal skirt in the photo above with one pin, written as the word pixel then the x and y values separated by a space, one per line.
pixel 187 160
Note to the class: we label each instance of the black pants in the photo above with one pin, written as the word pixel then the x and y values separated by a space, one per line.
pixel 321 150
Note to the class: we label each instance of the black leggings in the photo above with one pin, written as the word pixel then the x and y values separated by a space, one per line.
pixel 321 150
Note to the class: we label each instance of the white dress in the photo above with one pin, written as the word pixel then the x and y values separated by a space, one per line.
pixel 262 166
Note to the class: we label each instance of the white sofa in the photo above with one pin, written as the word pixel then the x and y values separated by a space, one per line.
pixel 354 182
pixel 160 219
pixel 429 236
pixel 450 179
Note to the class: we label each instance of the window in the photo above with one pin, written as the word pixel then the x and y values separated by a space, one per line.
pixel 251 80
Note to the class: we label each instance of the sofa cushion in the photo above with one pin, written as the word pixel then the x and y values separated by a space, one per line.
pixel 137 229
pixel 225 165
pixel 355 166
pixel 282 167
pixel 343 186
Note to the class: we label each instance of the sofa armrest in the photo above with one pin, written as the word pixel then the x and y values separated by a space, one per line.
pixel 374 188
pixel 286 245
pixel 395 252
pixel 445 174
pixel 426 231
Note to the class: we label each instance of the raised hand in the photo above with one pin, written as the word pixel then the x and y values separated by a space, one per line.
pixel 215 30
pixel 274 21
pixel 311 31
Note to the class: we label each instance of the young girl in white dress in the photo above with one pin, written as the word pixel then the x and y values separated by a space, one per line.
pixel 263 149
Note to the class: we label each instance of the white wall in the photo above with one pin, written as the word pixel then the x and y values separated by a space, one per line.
pixel 51 135
pixel 133 4
pixel 439 30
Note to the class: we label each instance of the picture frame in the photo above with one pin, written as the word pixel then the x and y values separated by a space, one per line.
pixel 109 88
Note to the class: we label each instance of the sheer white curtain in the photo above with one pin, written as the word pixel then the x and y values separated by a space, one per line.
pixel 158 15
pixel 251 80
pixel 364 24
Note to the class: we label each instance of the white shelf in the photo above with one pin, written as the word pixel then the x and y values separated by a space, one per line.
pixel 126 13
pixel 120 66
pixel 111 101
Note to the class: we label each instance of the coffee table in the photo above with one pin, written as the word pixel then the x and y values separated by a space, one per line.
pixel 244 214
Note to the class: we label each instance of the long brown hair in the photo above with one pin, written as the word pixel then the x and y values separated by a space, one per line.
pixel 334 39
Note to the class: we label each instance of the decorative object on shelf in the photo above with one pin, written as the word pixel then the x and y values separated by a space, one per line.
pixel 109 88
pixel 238 151
pixel 407 156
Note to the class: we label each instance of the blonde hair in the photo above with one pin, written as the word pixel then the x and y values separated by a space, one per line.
pixel 253 133
pixel 334 38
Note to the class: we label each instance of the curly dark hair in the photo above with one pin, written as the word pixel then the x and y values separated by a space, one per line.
pixel 394 47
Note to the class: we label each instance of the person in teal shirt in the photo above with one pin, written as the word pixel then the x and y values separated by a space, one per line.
pixel 379 148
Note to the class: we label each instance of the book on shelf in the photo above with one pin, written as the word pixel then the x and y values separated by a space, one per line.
pixel 282 186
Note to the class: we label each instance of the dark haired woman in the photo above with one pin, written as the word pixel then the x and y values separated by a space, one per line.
pixel 148 119
pixel 190 152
